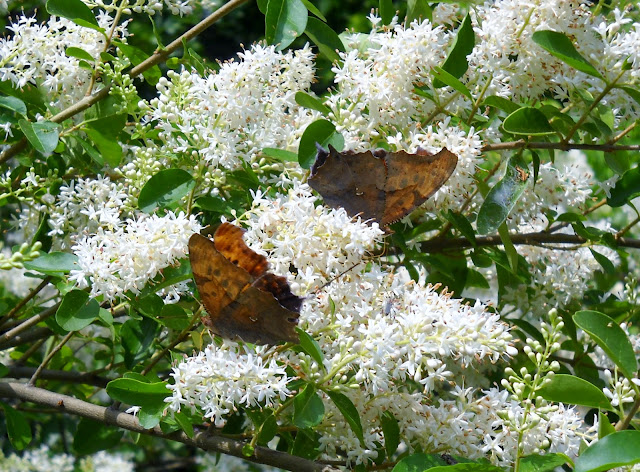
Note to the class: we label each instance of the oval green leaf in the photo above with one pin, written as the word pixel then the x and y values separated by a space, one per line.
pixel 349 411
pixel 502 197
pixel 308 101
pixel 576 391
pixel 444 78
pixel 93 436
pixel 615 450
pixel 418 462
pixel 325 38
pixel 77 310
pixel 542 463
pixel 560 46
pixel 626 189
pixel 322 132
pixel 308 408
pixel 285 20
pixel 456 63
pixel 43 135
pixel 610 337
pixel 527 121
pixel 281 155
pixel 391 432
pixel 311 347
pixel 54 263
pixel 166 187
pixel 135 392
pixel 72 10
pixel 14 104
pixel 18 428
pixel 79 53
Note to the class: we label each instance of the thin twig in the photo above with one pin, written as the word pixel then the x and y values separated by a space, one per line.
pixel 25 300
pixel 34 320
pixel 86 378
pixel 54 351
pixel 530 239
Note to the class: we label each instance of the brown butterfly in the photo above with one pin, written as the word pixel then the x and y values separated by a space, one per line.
pixel 245 302
pixel 379 185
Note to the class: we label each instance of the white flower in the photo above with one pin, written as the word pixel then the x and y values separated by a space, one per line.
pixel 124 259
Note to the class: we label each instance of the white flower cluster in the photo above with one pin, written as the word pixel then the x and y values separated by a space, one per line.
pixel 116 261
pixel 35 54
pixel 43 460
pixel 221 378
pixel 385 333
pixel 151 7
pixel 376 79
pixel 228 117
pixel 558 189
pixel 84 206
pixel 507 62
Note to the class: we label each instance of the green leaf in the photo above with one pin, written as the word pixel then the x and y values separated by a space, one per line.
pixel 280 154
pixel 308 408
pixel 135 392
pixel 165 188
pixel 349 411
pixel 285 20
pixel 574 390
pixel 312 9
pixel 308 101
pixel 633 93
pixel 461 223
pixel 615 450
pixel 418 10
pixel 14 104
pixel 502 197
pixel 109 148
pixel 79 53
pixel 4 370
pixel 560 46
pixel 42 135
pixel 501 103
pixel 626 189
pixel 268 429
pixel 466 467
pixel 387 11
pixel 73 10
pixel 77 311
pixel 391 432
pixel 185 423
pixel 18 428
pixel 418 463
pixel 527 121
pixel 322 132
pixel 54 263
pixel 606 264
pixel 610 337
pixel 137 56
pixel 605 428
pixel 311 347
pixel 444 78
pixel 136 337
pixel 93 436
pixel 456 63
pixel 306 444
pixel 325 38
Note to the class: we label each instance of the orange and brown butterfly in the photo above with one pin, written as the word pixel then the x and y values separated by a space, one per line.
pixel 245 301
pixel 380 185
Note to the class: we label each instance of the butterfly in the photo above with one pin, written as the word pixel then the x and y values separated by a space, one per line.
pixel 245 301
pixel 380 185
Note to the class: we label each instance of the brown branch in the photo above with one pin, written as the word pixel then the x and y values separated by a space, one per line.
pixel 155 59
pixel 25 338
pixel 28 323
pixel 19 372
pixel 560 146
pixel 530 239
pixel 202 440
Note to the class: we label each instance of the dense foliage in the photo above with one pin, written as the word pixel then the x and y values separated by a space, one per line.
pixel 493 328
